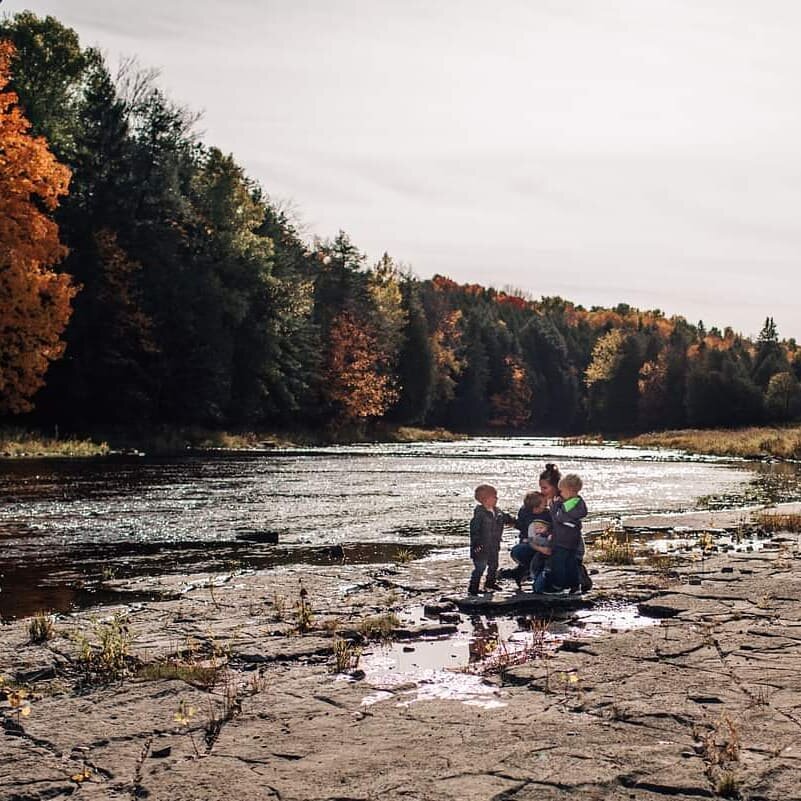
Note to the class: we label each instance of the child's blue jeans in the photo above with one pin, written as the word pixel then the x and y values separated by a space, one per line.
pixel 564 569
pixel 485 560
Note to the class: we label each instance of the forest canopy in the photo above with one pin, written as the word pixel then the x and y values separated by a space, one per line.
pixel 166 287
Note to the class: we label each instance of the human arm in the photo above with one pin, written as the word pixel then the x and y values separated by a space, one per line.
pixel 568 512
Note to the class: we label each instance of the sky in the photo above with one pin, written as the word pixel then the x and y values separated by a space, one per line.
pixel 638 151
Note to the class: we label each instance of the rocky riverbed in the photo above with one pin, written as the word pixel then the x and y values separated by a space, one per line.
pixel 676 676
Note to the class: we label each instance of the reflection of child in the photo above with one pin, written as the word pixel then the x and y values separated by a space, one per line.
pixel 486 531
pixel 534 510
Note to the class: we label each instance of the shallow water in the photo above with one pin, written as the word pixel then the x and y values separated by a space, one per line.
pixel 454 667
pixel 67 520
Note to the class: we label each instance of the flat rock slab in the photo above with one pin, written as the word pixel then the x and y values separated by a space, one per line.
pixel 504 602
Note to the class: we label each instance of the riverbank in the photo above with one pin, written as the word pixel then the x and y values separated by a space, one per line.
pixel 20 443
pixel 275 684
pixel 745 443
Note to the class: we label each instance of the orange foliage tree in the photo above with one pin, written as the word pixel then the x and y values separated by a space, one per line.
pixel 354 381
pixel 512 408
pixel 34 301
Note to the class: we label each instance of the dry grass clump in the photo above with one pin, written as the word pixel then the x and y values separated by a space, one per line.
pixel 747 443
pixel 775 521
pixel 583 439
pixel 41 628
pixel 379 627
pixel 611 549
pixel 403 556
pixel 107 659
pixel 18 442
pixel 346 656
pixel 412 434
pixel 198 675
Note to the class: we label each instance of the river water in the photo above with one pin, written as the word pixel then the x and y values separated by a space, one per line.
pixel 64 523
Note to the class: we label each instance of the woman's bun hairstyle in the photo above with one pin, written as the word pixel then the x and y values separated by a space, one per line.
pixel 551 474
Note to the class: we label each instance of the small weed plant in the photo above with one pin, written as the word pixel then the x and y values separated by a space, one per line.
pixel 379 627
pixel 614 548
pixel 403 556
pixel 346 656
pixel 183 717
pixel 108 659
pixel 727 785
pixel 279 608
pixel 41 628
pixel 304 617
pixel 18 702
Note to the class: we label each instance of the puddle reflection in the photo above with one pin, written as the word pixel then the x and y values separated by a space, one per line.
pixel 455 667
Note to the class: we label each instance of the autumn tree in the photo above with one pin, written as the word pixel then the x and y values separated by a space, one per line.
pixel 354 384
pixel 511 408
pixel 35 301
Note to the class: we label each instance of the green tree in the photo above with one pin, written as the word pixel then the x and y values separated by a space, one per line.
pixel 611 379
pixel 771 357
pixel 783 397
pixel 416 365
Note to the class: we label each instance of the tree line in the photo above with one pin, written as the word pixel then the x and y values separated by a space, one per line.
pixel 145 278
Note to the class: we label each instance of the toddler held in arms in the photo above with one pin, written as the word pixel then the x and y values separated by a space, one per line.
pixel 533 510
pixel 486 531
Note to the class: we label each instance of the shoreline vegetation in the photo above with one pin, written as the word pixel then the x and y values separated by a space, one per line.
pixel 754 442
pixel 17 443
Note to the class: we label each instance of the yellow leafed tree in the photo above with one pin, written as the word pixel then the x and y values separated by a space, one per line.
pixel 34 301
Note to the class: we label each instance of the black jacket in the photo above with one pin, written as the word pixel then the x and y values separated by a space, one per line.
pixel 486 528
pixel 567 516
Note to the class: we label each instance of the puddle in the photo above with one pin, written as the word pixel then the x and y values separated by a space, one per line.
pixel 455 667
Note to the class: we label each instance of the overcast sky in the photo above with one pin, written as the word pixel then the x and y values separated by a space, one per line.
pixel 646 151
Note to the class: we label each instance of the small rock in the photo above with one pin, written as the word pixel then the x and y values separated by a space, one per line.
pixel 407 649
pixel 357 675
pixel 694 580
pixel 727 570
pixel 160 753
pixel 435 610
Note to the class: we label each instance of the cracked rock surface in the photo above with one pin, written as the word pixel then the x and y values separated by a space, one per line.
pixel 704 703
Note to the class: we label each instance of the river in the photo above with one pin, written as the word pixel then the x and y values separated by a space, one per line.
pixel 65 524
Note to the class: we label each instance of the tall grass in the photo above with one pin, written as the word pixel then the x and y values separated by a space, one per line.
pixel 776 521
pixel 18 442
pixel 748 443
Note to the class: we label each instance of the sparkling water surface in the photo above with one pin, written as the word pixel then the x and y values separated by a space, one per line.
pixel 415 492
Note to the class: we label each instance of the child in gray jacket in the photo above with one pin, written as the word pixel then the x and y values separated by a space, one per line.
pixel 486 531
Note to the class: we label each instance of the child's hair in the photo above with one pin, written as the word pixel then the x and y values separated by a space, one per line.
pixel 483 490
pixel 533 500
pixel 572 482
pixel 552 475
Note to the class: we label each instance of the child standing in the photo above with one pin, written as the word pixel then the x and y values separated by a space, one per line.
pixel 567 512
pixel 486 531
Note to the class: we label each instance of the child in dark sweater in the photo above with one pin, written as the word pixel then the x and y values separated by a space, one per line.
pixel 486 531
pixel 567 512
